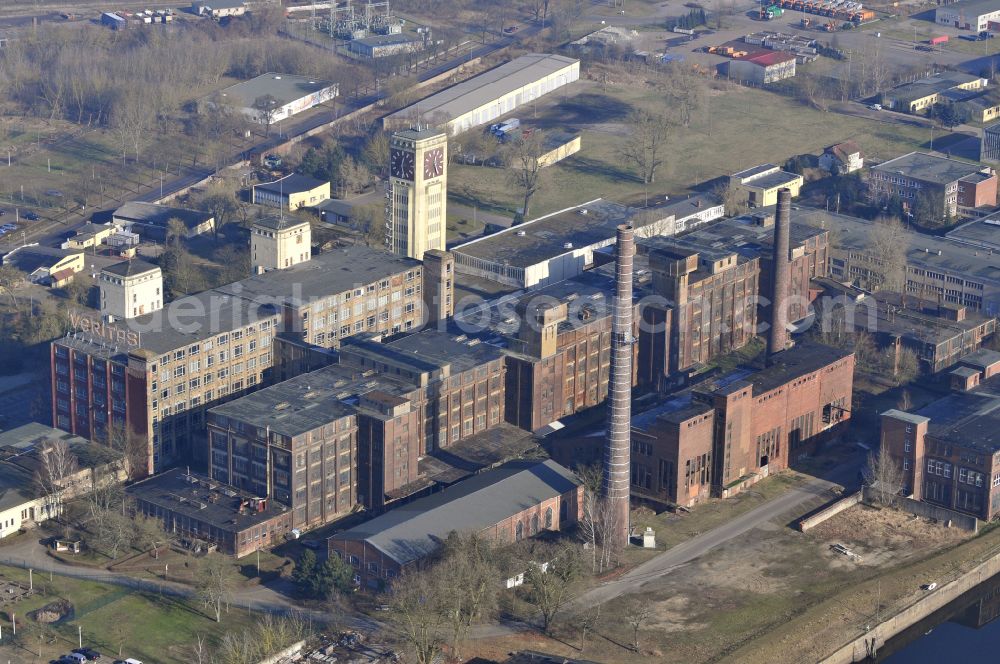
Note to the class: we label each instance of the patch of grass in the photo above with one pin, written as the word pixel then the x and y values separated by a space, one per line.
pixel 743 126
pixel 672 529
pixel 149 627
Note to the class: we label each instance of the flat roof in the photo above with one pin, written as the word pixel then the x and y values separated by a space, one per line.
pixel 280 222
pixel 754 171
pixel 498 444
pixel 428 350
pixel 911 318
pixel 772 180
pixel 294 183
pixel 415 530
pixel 977 7
pixel 969 419
pixel 204 499
pixel 928 251
pixel 688 206
pixel 329 273
pixel 984 233
pixel 928 167
pixel 930 85
pixel 285 88
pixel 131 268
pixel 152 214
pixel 311 400
pixel 477 91
pixel 589 297
pixel 803 358
pixel 546 237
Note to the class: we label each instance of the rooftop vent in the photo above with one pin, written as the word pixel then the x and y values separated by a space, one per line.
pixel 567 245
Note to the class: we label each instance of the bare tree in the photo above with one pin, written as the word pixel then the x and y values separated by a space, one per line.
pixel 644 146
pixel 176 231
pixel 376 152
pixel 883 476
pixel 637 613
pixel 525 168
pixel 888 243
pixel 112 530
pixel 56 463
pixel 587 622
pixel 470 573
pixel 214 584
pixel 199 652
pixel 10 280
pixel 550 583
pixel 416 604
pixel 267 110
pixel 149 533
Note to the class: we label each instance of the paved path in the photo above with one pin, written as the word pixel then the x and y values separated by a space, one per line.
pixel 28 553
pixel 684 553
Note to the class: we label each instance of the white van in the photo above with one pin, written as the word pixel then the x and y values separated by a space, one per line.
pixel 132 661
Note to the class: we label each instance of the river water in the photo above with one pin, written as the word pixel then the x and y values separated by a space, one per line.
pixel 967 630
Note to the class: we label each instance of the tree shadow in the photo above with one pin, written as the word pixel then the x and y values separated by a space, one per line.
pixel 600 169
pixel 589 108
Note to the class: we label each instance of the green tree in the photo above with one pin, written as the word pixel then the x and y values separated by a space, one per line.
pixel 304 572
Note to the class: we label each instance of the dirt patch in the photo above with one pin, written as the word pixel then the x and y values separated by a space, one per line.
pixel 672 615
pixel 52 612
pixel 882 536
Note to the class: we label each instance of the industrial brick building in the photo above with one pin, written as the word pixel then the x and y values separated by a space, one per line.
pixel 719 437
pixel 482 99
pixel 948 450
pixel 940 333
pixel 159 374
pixel 195 507
pixel 947 183
pixel 398 401
pixel 711 279
pixel 517 500
pixel 936 267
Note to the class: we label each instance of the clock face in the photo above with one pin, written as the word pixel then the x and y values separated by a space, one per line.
pixel 434 163
pixel 401 164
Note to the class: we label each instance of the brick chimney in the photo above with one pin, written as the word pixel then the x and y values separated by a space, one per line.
pixel 777 339
pixel 617 446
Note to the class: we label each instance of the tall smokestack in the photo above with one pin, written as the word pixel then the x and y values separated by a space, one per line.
pixel 778 334
pixel 617 445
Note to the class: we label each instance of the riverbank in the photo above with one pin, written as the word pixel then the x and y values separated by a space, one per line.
pixel 840 628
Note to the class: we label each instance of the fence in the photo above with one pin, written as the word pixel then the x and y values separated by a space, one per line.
pixel 929 511
pixel 828 512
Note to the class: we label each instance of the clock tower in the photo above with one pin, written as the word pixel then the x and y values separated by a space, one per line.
pixel 417 192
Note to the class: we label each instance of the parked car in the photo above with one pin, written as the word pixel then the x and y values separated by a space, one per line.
pixel 89 653
pixel 29 215
pixel 929 586
pixel 876 107
pixel 315 545
pixel 510 29
pixel 924 47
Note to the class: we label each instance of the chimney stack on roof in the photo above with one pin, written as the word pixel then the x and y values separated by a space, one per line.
pixel 777 339
pixel 617 446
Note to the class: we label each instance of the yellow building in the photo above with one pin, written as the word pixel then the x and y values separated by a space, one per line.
pixel 758 186
pixel 924 93
pixel 41 264
pixel 90 235
pixel 291 192
pixel 417 192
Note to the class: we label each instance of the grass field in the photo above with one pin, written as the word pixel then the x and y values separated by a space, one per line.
pixel 738 128
pixel 146 626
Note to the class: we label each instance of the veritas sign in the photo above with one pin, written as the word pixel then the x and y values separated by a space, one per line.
pixel 106 331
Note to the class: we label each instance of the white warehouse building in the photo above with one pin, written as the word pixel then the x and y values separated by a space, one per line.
pixel 978 15
pixel 291 94
pixel 561 245
pixel 482 99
